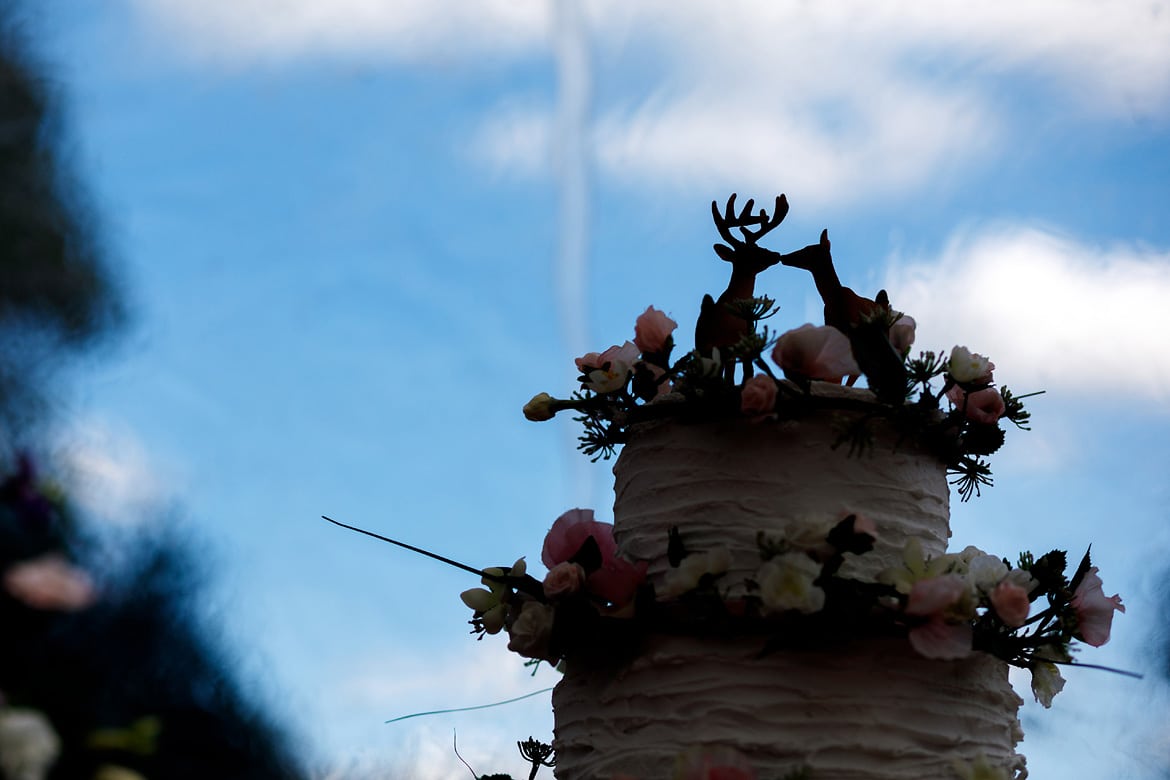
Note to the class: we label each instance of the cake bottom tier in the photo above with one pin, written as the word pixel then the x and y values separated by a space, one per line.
pixel 872 710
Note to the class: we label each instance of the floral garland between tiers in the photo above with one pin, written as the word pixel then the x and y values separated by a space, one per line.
pixel 593 602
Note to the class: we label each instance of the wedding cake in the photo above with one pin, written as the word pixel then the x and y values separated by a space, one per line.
pixel 774 598
pixel 846 707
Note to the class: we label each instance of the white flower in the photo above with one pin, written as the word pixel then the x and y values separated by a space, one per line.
pixel 613 368
pixel 1046 682
pixel 709 367
pixel 28 744
pixel 985 571
pixel 491 605
pixel 691 569
pixel 966 366
pixel 1023 579
pixel 786 583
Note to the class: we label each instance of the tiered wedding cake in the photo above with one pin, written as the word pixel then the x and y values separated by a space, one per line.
pixel 774 598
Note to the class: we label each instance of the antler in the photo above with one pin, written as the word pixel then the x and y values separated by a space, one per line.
pixel 728 220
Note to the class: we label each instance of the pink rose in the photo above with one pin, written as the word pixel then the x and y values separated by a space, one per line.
pixel 652 329
pixel 564 579
pixel 617 580
pixel 50 583
pixel 759 395
pixel 902 334
pixel 1010 602
pixel 984 407
pixel 816 352
pixel 1094 609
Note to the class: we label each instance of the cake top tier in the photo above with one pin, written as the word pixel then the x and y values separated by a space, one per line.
pixel 727 375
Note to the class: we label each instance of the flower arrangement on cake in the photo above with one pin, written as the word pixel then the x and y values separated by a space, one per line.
pixel 813 580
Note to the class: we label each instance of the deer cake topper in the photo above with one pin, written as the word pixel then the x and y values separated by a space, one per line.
pixel 865 322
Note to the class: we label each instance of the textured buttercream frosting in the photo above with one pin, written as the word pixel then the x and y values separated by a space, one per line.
pixel 868 709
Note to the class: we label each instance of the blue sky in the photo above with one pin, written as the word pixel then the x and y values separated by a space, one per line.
pixel 345 231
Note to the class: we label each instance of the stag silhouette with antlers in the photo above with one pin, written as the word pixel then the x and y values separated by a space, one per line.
pixel 720 325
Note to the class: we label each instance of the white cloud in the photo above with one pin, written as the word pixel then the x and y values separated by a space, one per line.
pixel 1052 313
pixel 837 100
pixel 383 686
pixel 276 31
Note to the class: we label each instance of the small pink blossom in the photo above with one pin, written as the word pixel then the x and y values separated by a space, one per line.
pixel 50 583
pixel 984 407
pixel 564 579
pixel 902 334
pixel 652 329
pixel 759 395
pixel 936 595
pixel 816 352
pixel 940 598
pixel 588 362
pixel 1010 602
pixel 1094 609
pixel 610 370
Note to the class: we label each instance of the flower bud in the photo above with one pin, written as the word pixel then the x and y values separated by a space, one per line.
pixel 540 408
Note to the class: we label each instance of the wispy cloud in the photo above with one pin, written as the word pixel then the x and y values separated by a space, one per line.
pixel 474 673
pixel 842 100
pixel 239 33
pixel 1051 312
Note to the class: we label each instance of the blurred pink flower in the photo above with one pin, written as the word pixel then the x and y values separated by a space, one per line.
pixel 1094 609
pixel 984 407
pixel 816 352
pixel 50 582
pixel 652 329
pixel 759 395
pixel 1011 603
